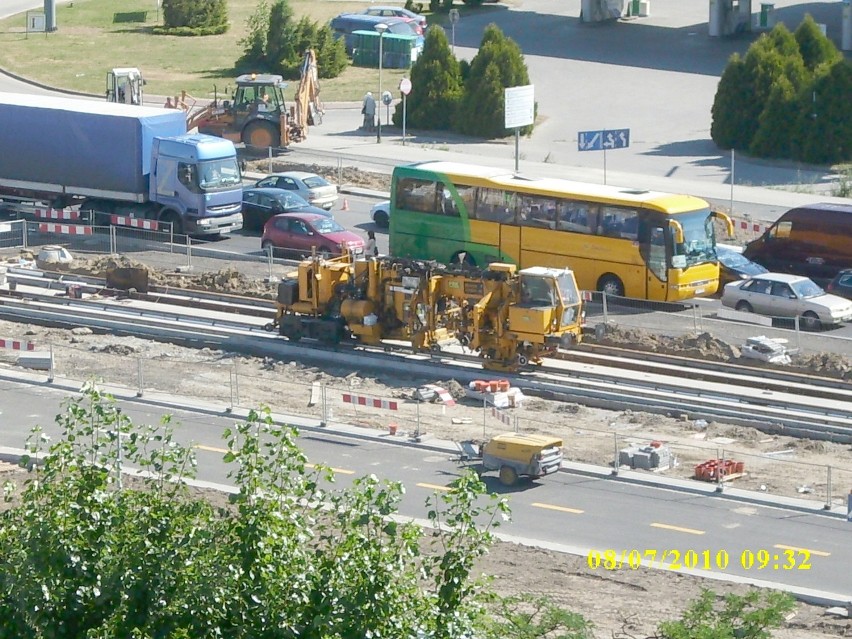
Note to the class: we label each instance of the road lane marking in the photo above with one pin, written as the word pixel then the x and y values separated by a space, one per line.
pixel 562 509
pixel 691 531
pixel 434 486
pixel 818 553
pixel 213 449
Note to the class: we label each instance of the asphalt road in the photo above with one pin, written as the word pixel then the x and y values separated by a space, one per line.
pixel 574 512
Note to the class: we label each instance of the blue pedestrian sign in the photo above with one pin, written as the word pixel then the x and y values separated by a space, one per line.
pixel 603 140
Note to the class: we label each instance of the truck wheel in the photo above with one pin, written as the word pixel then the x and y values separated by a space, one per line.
pixel 508 476
pixel 170 217
pixel 261 134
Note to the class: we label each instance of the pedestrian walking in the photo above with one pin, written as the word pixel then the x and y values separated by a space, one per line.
pixel 370 248
pixel 368 110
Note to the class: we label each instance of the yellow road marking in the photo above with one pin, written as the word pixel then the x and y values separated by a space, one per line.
pixel 213 449
pixel 563 509
pixel 434 486
pixel 691 531
pixel 818 553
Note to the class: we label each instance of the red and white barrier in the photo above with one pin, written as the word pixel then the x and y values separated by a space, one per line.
pixel 17 345
pixel 503 417
pixel 137 223
pixel 56 214
pixel 442 393
pixel 747 225
pixel 587 296
pixel 370 402
pixel 65 229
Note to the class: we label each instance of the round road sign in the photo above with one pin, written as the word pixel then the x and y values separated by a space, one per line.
pixel 387 98
pixel 454 16
pixel 405 86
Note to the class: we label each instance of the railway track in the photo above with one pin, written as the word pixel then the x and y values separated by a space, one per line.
pixel 771 399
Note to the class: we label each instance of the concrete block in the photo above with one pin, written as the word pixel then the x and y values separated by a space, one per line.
pixel 642 460
pixel 36 360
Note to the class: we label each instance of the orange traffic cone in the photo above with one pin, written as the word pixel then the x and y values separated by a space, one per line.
pixel 345 206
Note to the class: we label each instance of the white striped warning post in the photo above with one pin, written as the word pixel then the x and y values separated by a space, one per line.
pixel 17 345
pixel 65 229
pixel 370 402
pixel 56 214
pixel 148 225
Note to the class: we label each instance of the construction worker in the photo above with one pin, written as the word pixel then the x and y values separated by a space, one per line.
pixel 168 104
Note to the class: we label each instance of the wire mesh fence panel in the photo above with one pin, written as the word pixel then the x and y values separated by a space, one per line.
pixel 841 488
pixel 12 234
pixel 129 241
pixel 74 237
pixel 283 395
pixel 779 474
pixel 109 364
pixel 206 380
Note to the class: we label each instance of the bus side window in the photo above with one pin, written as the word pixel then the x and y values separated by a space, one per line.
pixel 576 216
pixel 467 194
pixel 444 202
pixel 495 205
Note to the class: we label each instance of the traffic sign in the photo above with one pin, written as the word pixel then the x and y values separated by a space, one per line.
pixel 405 86
pixel 387 98
pixel 604 139
pixel 519 106
pixel 454 16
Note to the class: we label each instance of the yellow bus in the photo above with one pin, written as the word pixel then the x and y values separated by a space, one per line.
pixel 622 241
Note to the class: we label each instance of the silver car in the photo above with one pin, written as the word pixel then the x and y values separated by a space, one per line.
pixel 782 295
pixel 312 187
pixel 381 214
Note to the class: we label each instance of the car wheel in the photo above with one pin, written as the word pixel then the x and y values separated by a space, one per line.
pixel 611 285
pixel 266 246
pixel 381 219
pixel 744 307
pixel 810 321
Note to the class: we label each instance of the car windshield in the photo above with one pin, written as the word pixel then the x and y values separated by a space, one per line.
pixel 807 288
pixel 314 182
pixel 327 225
pixel 732 259
pixel 699 238
pixel 290 201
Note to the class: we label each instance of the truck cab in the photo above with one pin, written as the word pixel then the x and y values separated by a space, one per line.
pixel 197 179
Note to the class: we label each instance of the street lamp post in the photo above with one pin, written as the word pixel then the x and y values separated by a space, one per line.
pixel 381 27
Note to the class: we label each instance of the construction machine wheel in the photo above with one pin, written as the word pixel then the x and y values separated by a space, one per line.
pixel 261 134
pixel 508 476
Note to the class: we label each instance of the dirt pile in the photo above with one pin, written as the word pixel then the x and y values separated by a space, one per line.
pixel 825 364
pixel 702 345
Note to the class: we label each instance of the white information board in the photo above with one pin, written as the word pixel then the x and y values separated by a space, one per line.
pixel 36 22
pixel 519 106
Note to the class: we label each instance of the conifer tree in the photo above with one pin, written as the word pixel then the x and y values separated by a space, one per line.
pixel 816 48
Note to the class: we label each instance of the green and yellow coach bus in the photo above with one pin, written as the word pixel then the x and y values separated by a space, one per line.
pixel 629 242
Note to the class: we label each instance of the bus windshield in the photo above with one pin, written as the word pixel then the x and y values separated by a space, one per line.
pixel 699 238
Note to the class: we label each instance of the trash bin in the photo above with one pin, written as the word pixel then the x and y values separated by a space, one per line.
pixel 767 19
pixel 634 7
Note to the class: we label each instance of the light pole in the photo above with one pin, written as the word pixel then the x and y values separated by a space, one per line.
pixel 381 27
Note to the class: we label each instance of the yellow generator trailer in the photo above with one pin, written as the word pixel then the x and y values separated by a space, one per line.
pixel 514 455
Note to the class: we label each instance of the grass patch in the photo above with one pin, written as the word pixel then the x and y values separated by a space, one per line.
pixel 89 42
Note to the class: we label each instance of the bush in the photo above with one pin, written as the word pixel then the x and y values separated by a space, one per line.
pixel 195 14
pixel 816 49
pixel 190 31
pixel 498 64
pixel 436 86
pixel 331 53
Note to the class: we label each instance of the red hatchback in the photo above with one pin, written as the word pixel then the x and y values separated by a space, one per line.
pixel 296 234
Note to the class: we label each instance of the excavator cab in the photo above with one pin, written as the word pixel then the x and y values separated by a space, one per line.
pixel 259 110
pixel 125 85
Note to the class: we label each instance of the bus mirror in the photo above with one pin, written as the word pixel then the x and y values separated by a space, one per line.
pixel 678 231
pixel 729 223
pixel 678 261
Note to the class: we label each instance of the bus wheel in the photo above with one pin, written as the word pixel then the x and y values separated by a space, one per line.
pixel 611 285
pixel 463 259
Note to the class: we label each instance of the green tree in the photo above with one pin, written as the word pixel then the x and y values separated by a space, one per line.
pixel 825 130
pixel 816 48
pixel 733 91
pixel 253 42
pixel 331 53
pixel 498 64
pixel 195 14
pixel 280 48
pixel 436 86
pixel 87 556
pixel 749 616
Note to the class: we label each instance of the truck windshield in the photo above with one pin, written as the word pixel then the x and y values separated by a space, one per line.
pixel 219 175
pixel 699 237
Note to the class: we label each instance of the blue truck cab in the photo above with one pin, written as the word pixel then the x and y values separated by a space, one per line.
pixel 198 178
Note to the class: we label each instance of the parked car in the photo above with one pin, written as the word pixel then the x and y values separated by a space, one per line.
pixel 380 214
pixel 310 186
pixel 298 234
pixel 260 204
pixel 734 266
pixel 783 295
pixel 398 12
pixel 842 284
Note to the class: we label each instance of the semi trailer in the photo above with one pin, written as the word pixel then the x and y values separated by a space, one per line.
pixel 118 159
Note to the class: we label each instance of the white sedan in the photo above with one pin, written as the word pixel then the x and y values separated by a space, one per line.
pixel 788 296
pixel 380 214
